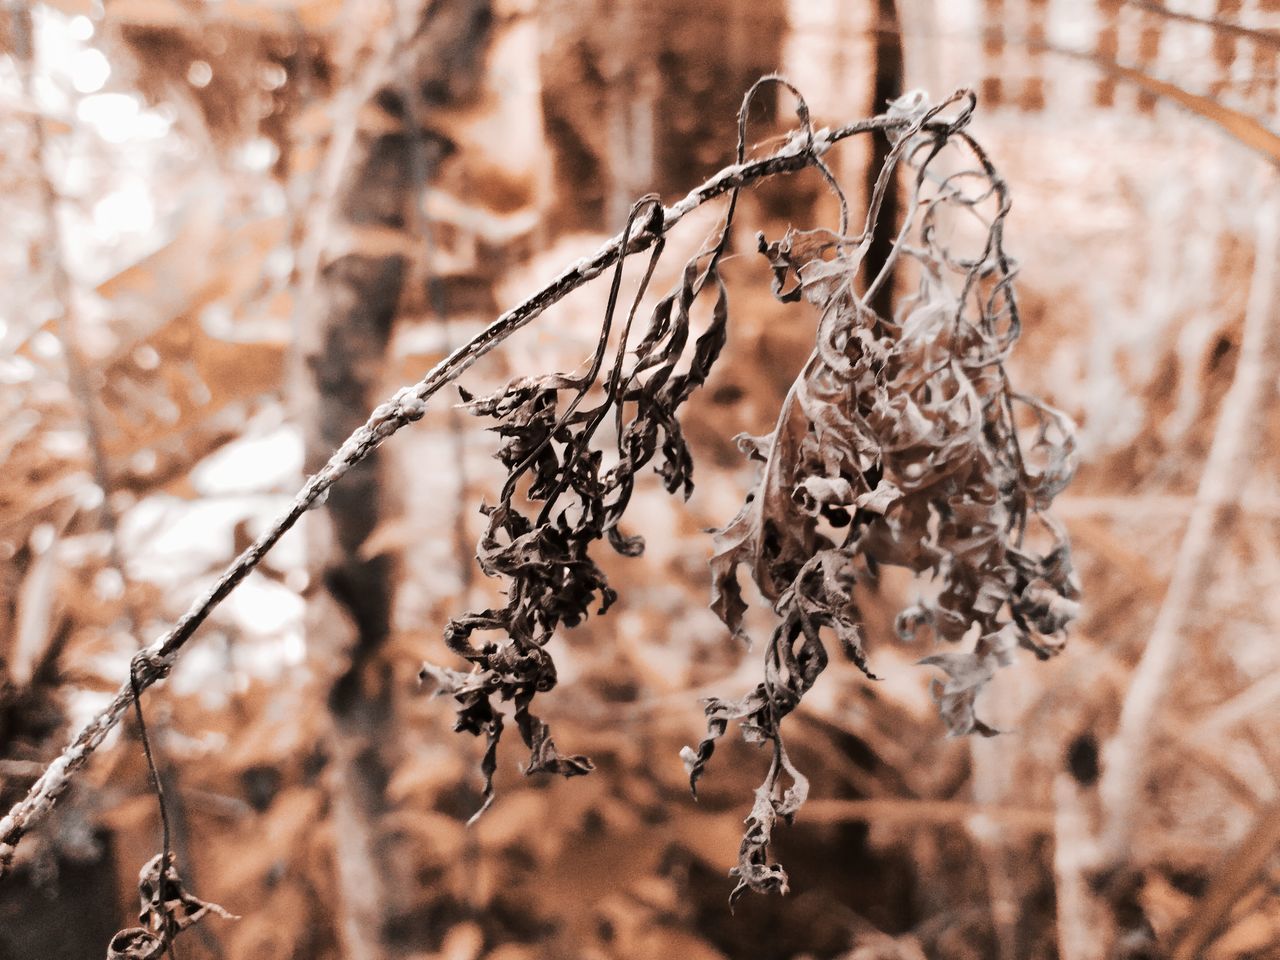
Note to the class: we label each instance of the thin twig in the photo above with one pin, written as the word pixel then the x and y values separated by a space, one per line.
pixel 406 406
pixel 1261 36
pixel 1253 701
pixel 910 811
pixel 167 837
pixel 371 76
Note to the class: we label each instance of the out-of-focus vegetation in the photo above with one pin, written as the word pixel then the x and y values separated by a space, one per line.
pixel 233 228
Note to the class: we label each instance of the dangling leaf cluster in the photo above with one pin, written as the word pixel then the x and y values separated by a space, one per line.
pixel 898 444
pixel 562 494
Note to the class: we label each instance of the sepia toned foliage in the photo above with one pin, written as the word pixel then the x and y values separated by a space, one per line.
pixel 183 227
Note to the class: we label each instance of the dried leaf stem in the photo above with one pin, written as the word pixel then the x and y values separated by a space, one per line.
pixel 804 148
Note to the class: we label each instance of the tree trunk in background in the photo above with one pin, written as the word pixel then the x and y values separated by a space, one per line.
pixel 361 294
pixel 643 97
pixel 345 359
pixel 887 86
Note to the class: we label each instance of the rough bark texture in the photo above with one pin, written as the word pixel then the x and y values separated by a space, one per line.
pixel 362 294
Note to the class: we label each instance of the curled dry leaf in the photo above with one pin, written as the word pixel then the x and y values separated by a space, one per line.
pixel 167 901
pixel 135 943
pixel 564 490
pixel 897 444
pixel 967 673
pixel 167 909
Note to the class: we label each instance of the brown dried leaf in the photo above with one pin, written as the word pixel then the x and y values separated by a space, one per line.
pixel 135 943
pixel 167 904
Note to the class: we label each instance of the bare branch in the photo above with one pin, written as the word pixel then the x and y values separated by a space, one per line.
pixel 1266 38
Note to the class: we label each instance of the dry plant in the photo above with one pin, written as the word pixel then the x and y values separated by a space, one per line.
pixel 900 443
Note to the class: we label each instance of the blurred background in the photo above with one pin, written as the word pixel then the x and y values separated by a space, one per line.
pixel 233 227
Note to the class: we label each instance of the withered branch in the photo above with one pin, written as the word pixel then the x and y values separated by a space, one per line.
pixel 803 148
